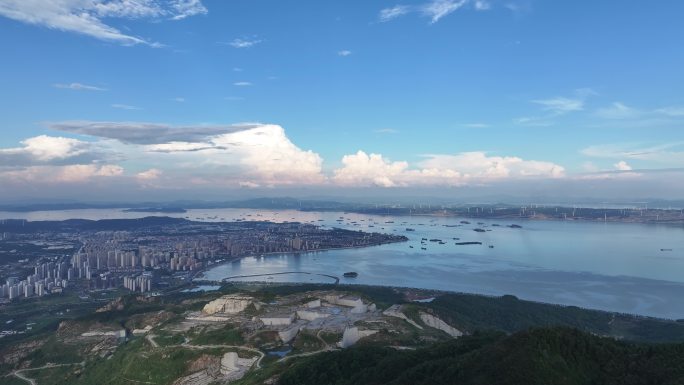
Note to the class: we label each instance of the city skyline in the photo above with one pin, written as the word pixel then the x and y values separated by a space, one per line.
pixel 141 99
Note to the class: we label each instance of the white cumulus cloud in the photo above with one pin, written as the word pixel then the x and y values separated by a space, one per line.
pixel 479 165
pixel 362 169
pixel 369 169
pixel 622 166
pixel 45 149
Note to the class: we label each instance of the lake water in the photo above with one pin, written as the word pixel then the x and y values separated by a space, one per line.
pixel 610 266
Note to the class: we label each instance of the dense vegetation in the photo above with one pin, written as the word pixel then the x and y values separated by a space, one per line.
pixel 381 295
pixel 559 356
pixel 472 312
pixel 225 335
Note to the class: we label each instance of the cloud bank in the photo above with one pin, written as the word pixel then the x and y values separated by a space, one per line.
pixel 248 155
pixel 363 169
pixel 148 157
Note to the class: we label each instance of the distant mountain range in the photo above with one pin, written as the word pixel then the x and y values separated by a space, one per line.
pixel 322 204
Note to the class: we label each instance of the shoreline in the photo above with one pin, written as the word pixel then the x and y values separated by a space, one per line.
pixel 340 282
pixel 286 253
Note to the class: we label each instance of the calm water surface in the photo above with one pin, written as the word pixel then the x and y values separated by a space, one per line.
pixel 609 266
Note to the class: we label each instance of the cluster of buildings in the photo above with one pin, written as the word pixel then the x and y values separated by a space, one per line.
pixel 130 251
pixel 47 278
pixel 141 283
pixel 109 259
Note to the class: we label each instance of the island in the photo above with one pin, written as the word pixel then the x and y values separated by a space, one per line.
pixel 167 210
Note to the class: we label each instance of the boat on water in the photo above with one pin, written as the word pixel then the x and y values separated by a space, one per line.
pixel 351 274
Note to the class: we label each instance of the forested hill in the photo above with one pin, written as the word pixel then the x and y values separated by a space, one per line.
pixel 558 356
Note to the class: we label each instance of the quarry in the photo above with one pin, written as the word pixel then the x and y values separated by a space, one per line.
pixel 334 313
pixel 219 338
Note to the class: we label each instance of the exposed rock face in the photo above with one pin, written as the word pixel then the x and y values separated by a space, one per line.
pixel 143 330
pixel 357 305
pixel 396 311
pixel 116 304
pixel 344 300
pixel 228 304
pixel 121 333
pixel 352 335
pixel 70 329
pixel 141 321
pixel 314 304
pixel 290 333
pixel 206 362
pixel 13 355
pixel 205 370
pixel 309 315
pixel 209 369
pixel 437 323
pixel 278 319
pixel 229 363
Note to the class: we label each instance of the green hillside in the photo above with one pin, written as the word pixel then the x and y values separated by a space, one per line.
pixel 559 356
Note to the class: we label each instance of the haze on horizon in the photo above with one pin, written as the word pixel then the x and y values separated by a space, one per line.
pixel 111 100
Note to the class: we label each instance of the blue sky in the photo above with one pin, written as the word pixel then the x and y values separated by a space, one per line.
pixel 340 95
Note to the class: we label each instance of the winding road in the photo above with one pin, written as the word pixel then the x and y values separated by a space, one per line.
pixel 20 373
pixel 186 345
